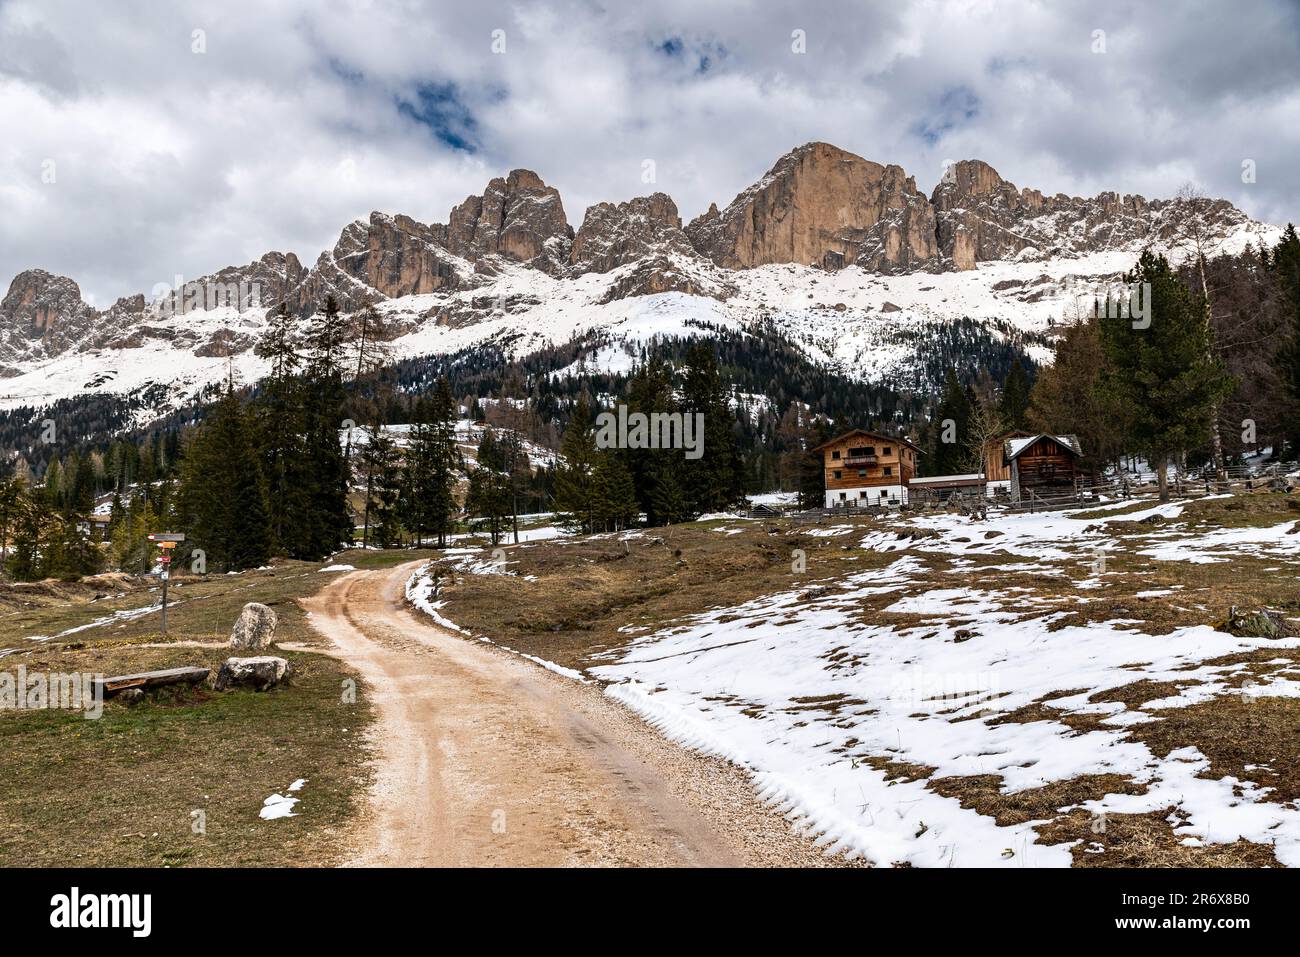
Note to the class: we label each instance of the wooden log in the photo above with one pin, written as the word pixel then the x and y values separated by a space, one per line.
pixel 151 679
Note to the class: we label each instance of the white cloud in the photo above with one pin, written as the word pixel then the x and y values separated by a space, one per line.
pixel 291 123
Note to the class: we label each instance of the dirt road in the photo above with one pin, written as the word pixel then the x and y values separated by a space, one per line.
pixel 486 759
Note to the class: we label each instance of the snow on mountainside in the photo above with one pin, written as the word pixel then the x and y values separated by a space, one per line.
pixel 862 297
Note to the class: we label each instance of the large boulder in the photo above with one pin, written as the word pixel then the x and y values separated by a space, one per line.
pixel 259 673
pixel 255 628
pixel 1257 623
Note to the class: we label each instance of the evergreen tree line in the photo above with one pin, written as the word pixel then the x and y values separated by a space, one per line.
pixel 608 488
pixel 1211 374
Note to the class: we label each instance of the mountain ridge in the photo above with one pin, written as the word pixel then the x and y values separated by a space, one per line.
pixel 510 254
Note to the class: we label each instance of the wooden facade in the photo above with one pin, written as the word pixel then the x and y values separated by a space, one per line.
pixel 866 468
pixel 997 467
pixel 1043 464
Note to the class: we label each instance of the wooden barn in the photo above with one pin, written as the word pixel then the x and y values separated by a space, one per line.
pixel 1043 464
pixel 997 467
pixel 867 468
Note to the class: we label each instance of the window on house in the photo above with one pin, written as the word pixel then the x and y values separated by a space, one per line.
pixel 837 473
pixel 889 470
pixel 862 495
pixel 887 450
pixel 862 473
pixel 843 496
pixel 835 454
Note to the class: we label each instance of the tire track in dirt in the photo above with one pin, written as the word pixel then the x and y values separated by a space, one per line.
pixel 485 759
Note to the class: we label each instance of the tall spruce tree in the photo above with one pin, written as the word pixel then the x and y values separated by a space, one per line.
pixel 222 501
pixel 951 429
pixel 488 497
pixel 1163 372
pixel 575 497
pixel 713 481
pixel 327 522
pixel 1284 263
pixel 1067 399
pixel 656 473
pixel 1013 405
pixel 281 421
pixel 613 495
pixel 429 475
pixel 381 466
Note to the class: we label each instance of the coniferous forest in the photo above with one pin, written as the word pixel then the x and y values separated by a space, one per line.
pixel 306 461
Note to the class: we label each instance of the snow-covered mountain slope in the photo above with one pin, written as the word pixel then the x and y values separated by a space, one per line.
pixel 508 270
pixel 865 326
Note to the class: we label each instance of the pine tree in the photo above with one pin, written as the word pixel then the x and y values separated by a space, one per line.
pixel 280 420
pixel 380 463
pixel 952 429
pixel 222 499
pixel 438 459
pixel 327 340
pixel 613 495
pixel 1067 398
pixel 575 475
pixel 488 497
pixel 14 501
pixel 1164 373
pixel 1014 403
pixel 715 480
pixel 1285 267
pixel 656 472
pixel 24 562
pixel 812 467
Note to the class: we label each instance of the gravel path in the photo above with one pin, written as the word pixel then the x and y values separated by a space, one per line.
pixel 485 759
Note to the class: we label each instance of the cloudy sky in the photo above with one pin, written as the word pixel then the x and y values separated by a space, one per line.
pixel 146 139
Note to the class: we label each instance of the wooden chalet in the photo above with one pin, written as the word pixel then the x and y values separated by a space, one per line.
pixel 1043 464
pixel 868 468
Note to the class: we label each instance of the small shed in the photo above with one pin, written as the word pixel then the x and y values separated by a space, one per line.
pixel 940 488
pixel 1043 464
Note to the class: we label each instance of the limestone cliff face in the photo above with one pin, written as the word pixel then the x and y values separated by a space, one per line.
pixel 615 234
pixel 384 257
pixel 982 217
pixel 41 315
pixel 820 205
pixel 407 258
pixel 518 217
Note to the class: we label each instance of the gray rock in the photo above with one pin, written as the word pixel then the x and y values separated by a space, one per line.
pixel 259 673
pixel 255 628
pixel 1257 623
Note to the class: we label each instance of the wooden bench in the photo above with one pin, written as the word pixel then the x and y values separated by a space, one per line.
pixel 150 679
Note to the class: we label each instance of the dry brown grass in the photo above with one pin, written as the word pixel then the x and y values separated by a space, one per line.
pixel 1254 739
pixel 122 790
pixel 587 589
pixel 1145 840
pixel 983 793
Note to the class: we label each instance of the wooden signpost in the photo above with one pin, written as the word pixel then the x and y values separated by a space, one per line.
pixel 166 541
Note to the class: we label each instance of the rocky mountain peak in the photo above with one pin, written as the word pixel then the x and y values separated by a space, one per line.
pixel 42 314
pixel 518 217
pixel 614 234
pixel 821 205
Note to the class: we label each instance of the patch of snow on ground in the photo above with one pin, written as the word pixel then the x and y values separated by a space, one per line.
pixel 801 691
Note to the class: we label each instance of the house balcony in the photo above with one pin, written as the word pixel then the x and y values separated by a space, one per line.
pixel 860 460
